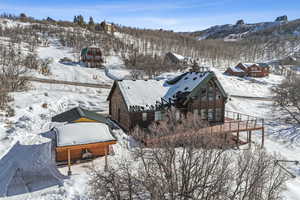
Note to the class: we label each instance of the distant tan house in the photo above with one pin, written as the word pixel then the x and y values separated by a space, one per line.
pixel 107 27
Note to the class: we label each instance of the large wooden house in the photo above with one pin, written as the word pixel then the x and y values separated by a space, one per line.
pixel 140 102
pixel 249 69
pixel 91 57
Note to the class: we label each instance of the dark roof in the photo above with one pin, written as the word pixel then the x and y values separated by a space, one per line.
pixel 77 113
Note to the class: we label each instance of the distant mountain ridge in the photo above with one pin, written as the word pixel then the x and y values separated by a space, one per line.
pixel 240 30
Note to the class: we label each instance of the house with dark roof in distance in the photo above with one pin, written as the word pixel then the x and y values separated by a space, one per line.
pixel 174 58
pixel 249 69
pixel 140 102
pixel 79 114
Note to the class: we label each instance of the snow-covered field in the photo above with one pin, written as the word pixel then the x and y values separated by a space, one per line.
pixel 35 107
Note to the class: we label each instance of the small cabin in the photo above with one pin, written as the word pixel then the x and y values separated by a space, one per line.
pixel 77 141
pixel 249 69
pixel 91 57
pixel 79 114
pixel 173 58
pixel 140 102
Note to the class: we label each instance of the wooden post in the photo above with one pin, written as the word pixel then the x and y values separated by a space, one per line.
pixel 69 163
pixel 250 134
pixel 238 133
pixel 105 150
pixel 263 134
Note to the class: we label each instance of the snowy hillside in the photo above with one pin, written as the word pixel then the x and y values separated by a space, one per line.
pixel 240 30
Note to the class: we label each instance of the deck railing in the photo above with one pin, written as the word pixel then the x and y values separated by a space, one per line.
pixel 234 123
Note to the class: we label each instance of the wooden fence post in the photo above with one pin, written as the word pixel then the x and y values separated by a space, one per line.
pixel 105 166
pixel 238 133
pixel 69 163
pixel 263 134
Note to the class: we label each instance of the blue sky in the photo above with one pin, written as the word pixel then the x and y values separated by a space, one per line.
pixel 178 15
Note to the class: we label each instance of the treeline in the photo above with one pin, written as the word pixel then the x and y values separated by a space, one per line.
pixel 209 52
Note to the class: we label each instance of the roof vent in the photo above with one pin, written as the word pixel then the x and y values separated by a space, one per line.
pixel 186 78
pixel 194 78
pixel 186 88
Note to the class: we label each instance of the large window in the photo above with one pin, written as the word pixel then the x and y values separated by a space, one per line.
pixel 196 113
pixel 204 114
pixel 177 115
pixel 203 95
pixel 211 93
pixel 210 115
pixel 158 116
pixel 218 114
pixel 144 116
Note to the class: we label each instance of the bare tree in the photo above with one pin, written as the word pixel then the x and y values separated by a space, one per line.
pixel 189 170
pixel 287 98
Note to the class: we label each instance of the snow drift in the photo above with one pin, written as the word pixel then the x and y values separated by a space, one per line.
pixel 28 168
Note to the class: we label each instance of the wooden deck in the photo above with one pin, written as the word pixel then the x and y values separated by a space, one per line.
pixel 235 124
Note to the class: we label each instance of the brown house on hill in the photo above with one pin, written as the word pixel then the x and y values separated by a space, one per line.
pixel 173 58
pixel 107 27
pixel 249 69
pixel 140 102
pixel 91 57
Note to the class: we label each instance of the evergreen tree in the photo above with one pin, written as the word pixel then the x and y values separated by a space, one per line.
pixel 80 20
pixel 91 25
pixel 75 20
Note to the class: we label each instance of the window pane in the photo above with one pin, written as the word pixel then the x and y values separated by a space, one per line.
pixel 203 114
pixel 210 115
pixel 144 115
pixel 157 116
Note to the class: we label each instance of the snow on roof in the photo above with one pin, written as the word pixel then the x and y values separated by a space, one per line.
pixel 83 133
pixel 236 69
pixel 28 167
pixel 186 84
pixel 146 93
pixel 179 57
pixel 248 64
pixel 142 92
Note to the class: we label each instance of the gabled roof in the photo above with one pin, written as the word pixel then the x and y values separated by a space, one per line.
pixel 148 93
pixel 77 113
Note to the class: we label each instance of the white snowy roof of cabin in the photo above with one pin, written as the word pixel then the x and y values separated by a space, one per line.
pixel 248 64
pixel 147 93
pixel 236 69
pixel 83 133
pixel 179 57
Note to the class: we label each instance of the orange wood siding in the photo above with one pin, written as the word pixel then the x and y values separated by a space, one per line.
pixel 85 120
pixel 97 149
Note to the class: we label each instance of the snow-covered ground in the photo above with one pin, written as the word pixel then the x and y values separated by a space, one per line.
pixel 35 107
